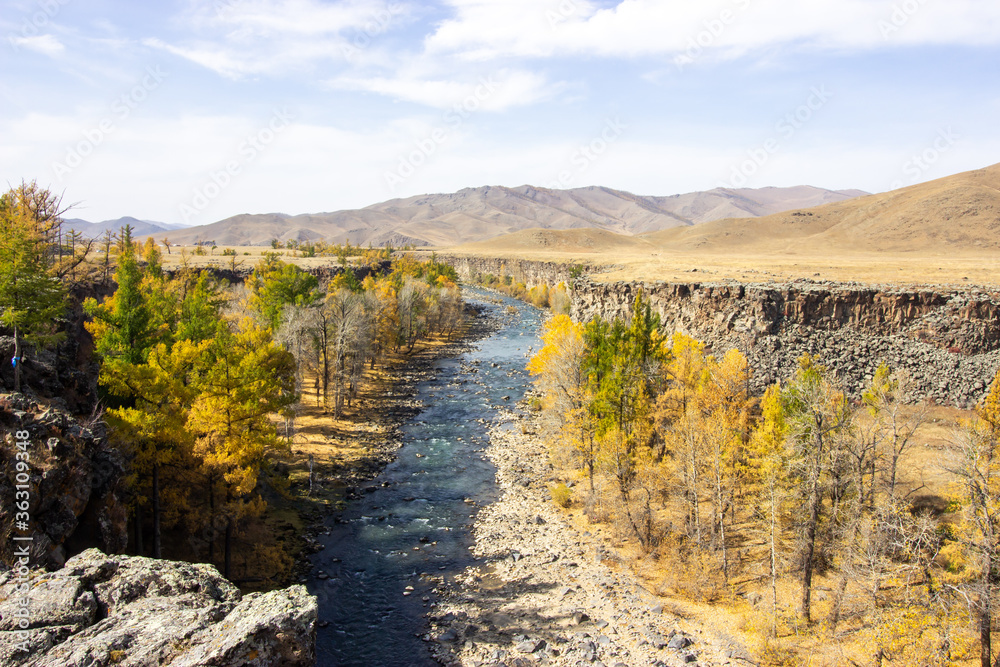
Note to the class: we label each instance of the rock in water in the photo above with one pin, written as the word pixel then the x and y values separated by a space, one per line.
pixel 143 612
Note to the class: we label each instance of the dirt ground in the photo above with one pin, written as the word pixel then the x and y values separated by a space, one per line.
pixel 663 264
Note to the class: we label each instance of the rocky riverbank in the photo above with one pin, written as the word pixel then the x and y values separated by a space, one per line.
pixel 546 593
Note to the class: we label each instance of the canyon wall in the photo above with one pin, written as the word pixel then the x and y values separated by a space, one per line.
pixel 77 492
pixel 947 340
pixel 529 272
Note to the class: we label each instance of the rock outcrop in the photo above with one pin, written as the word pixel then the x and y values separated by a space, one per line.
pixel 75 482
pixel 947 340
pixel 131 611
pixel 527 271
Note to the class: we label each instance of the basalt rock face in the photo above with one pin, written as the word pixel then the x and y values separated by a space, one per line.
pixel 947 340
pixel 529 272
pixel 75 482
pixel 104 610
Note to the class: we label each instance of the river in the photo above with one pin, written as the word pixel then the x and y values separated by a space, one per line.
pixel 412 524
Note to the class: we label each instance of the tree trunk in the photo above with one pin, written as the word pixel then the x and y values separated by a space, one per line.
pixel 985 630
pixel 17 360
pixel 590 461
pixel 227 567
pixel 810 551
pixel 211 518
pixel 156 510
pixel 774 560
pixel 312 476
pixel 138 531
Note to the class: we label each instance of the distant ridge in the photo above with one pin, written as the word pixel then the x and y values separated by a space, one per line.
pixel 479 214
pixel 139 227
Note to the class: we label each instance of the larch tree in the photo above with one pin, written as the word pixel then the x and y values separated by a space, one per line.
pixel 768 466
pixel 31 296
pixel 243 379
pixel 275 284
pixel 977 466
pixel 348 342
pixel 622 362
pixel 558 371
pixel 679 420
pixel 724 403
pixel 127 326
pixel 816 412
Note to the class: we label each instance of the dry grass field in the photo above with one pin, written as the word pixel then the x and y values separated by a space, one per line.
pixel 246 257
pixel 631 259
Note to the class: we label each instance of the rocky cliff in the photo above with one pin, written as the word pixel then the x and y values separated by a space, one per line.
pixel 75 481
pixel 529 272
pixel 948 340
pixel 139 612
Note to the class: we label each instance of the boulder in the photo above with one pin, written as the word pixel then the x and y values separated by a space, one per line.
pixel 142 612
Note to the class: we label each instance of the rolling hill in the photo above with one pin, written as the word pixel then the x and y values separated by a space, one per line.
pixel 478 214
pixel 959 213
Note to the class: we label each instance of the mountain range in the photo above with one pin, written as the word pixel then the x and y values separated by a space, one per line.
pixel 478 214
pixel 956 215
pixel 92 230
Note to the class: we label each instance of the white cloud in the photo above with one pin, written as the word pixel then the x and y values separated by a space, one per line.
pixel 47 45
pixel 240 38
pixel 485 29
pixel 497 91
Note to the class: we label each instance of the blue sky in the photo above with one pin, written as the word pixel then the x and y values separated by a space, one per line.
pixel 189 112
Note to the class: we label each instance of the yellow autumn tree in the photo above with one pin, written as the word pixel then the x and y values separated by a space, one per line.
pixel 557 367
pixel 679 420
pixel 723 401
pixel 244 378
pixel 977 466
pixel 767 468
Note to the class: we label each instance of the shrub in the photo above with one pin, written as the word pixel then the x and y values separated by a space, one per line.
pixel 562 495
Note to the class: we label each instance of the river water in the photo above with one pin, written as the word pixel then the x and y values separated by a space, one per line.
pixel 414 521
